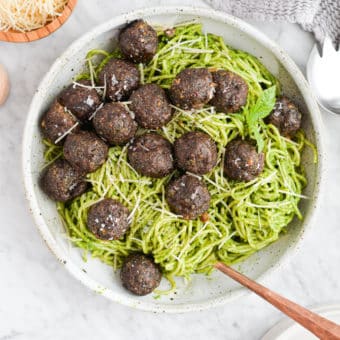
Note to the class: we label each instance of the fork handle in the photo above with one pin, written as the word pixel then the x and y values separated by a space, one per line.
pixel 321 327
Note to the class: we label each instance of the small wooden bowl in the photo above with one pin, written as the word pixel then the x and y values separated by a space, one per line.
pixel 20 37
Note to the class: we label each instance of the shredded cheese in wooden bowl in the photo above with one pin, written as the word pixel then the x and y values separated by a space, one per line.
pixel 28 15
pixel 28 20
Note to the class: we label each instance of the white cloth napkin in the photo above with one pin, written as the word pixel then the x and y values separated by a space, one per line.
pixel 322 17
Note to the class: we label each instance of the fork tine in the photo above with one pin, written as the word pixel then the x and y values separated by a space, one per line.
pixel 319 47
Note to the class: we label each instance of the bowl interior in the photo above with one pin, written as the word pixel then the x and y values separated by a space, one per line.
pixel 202 291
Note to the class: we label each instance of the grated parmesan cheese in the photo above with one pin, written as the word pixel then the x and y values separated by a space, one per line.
pixel 28 15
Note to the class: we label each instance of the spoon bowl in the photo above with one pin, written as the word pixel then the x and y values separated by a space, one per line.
pixel 323 74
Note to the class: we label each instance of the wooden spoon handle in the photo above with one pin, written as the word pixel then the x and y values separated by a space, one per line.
pixel 321 327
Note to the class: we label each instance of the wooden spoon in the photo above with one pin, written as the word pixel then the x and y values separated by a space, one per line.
pixel 321 327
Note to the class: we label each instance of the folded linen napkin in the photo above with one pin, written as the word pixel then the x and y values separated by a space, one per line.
pixel 322 17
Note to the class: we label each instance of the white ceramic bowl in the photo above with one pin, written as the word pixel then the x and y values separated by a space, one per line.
pixel 202 292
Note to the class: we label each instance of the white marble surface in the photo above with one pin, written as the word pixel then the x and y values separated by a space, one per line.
pixel 40 300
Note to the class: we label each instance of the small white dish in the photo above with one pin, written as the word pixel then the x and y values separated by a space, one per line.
pixel 202 292
pixel 287 329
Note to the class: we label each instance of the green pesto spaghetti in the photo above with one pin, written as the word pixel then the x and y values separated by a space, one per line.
pixel 244 217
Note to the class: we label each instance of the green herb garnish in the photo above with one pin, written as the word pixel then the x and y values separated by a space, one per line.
pixel 262 108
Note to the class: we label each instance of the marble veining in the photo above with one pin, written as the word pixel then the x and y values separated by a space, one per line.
pixel 40 300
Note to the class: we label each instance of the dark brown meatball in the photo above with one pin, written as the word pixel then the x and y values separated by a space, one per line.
pixel 242 162
pixel 286 117
pixel 62 182
pixel 138 41
pixel 151 155
pixel 192 88
pixel 85 151
pixel 140 274
pixel 231 91
pixel 114 124
pixel 56 122
pixel 151 106
pixel 108 219
pixel 120 77
pixel 188 196
pixel 82 101
pixel 196 152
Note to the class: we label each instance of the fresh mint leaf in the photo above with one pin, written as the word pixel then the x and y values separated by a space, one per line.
pixel 265 103
pixel 262 108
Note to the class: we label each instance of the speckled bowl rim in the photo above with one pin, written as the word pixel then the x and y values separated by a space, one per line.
pixel 290 67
